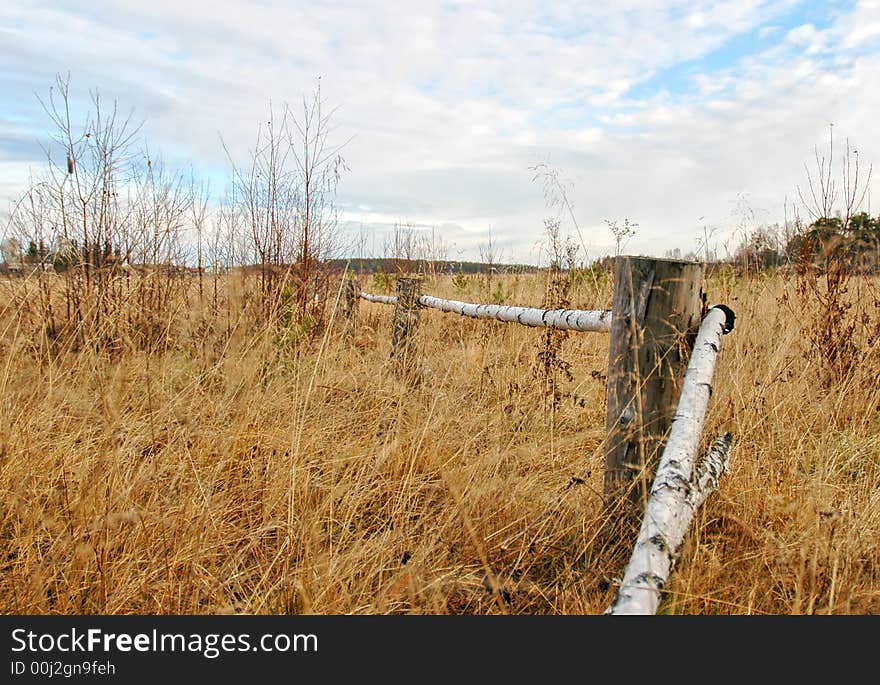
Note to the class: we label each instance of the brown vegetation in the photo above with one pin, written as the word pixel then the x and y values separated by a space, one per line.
pixel 254 466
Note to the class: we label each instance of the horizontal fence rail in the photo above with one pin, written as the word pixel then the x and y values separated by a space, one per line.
pixel 381 299
pixel 676 493
pixel 564 319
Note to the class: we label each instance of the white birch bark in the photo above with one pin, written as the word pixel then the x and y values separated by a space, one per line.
pixel 565 319
pixel 674 498
pixel 381 299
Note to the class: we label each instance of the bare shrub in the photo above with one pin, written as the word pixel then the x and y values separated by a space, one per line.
pixel 823 264
pixel 106 221
pixel 286 197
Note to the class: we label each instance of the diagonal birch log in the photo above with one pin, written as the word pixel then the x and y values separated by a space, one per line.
pixel 676 493
pixel 565 319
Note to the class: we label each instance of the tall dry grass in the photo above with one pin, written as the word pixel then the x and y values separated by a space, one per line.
pixel 243 469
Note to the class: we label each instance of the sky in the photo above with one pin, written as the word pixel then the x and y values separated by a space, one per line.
pixel 689 119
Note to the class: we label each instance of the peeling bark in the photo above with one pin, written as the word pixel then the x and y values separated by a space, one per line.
pixel 710 470
pixel 565 319
pixel 674 495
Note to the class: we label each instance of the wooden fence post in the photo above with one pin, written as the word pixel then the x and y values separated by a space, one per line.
pixel 656 314
pixel 404 323
pixel 350 300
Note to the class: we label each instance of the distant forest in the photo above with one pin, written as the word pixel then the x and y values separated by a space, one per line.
pixel 391 266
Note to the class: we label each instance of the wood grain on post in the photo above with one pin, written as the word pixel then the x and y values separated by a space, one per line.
pixel 656 314
pixel 404 324
pixel 350 301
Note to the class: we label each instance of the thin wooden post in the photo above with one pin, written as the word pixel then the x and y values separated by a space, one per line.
pixel 350 300
pixel 404 324
pixel 656 314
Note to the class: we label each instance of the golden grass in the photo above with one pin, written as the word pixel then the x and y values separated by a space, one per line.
pixel 260 476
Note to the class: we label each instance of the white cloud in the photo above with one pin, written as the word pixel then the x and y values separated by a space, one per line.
pixel 451 103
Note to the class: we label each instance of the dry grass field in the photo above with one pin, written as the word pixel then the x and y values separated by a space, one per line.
pixel 246 470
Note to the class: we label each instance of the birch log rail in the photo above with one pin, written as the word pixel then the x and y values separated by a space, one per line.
pixel 565 319
pixel 381 299
pixel 676 493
